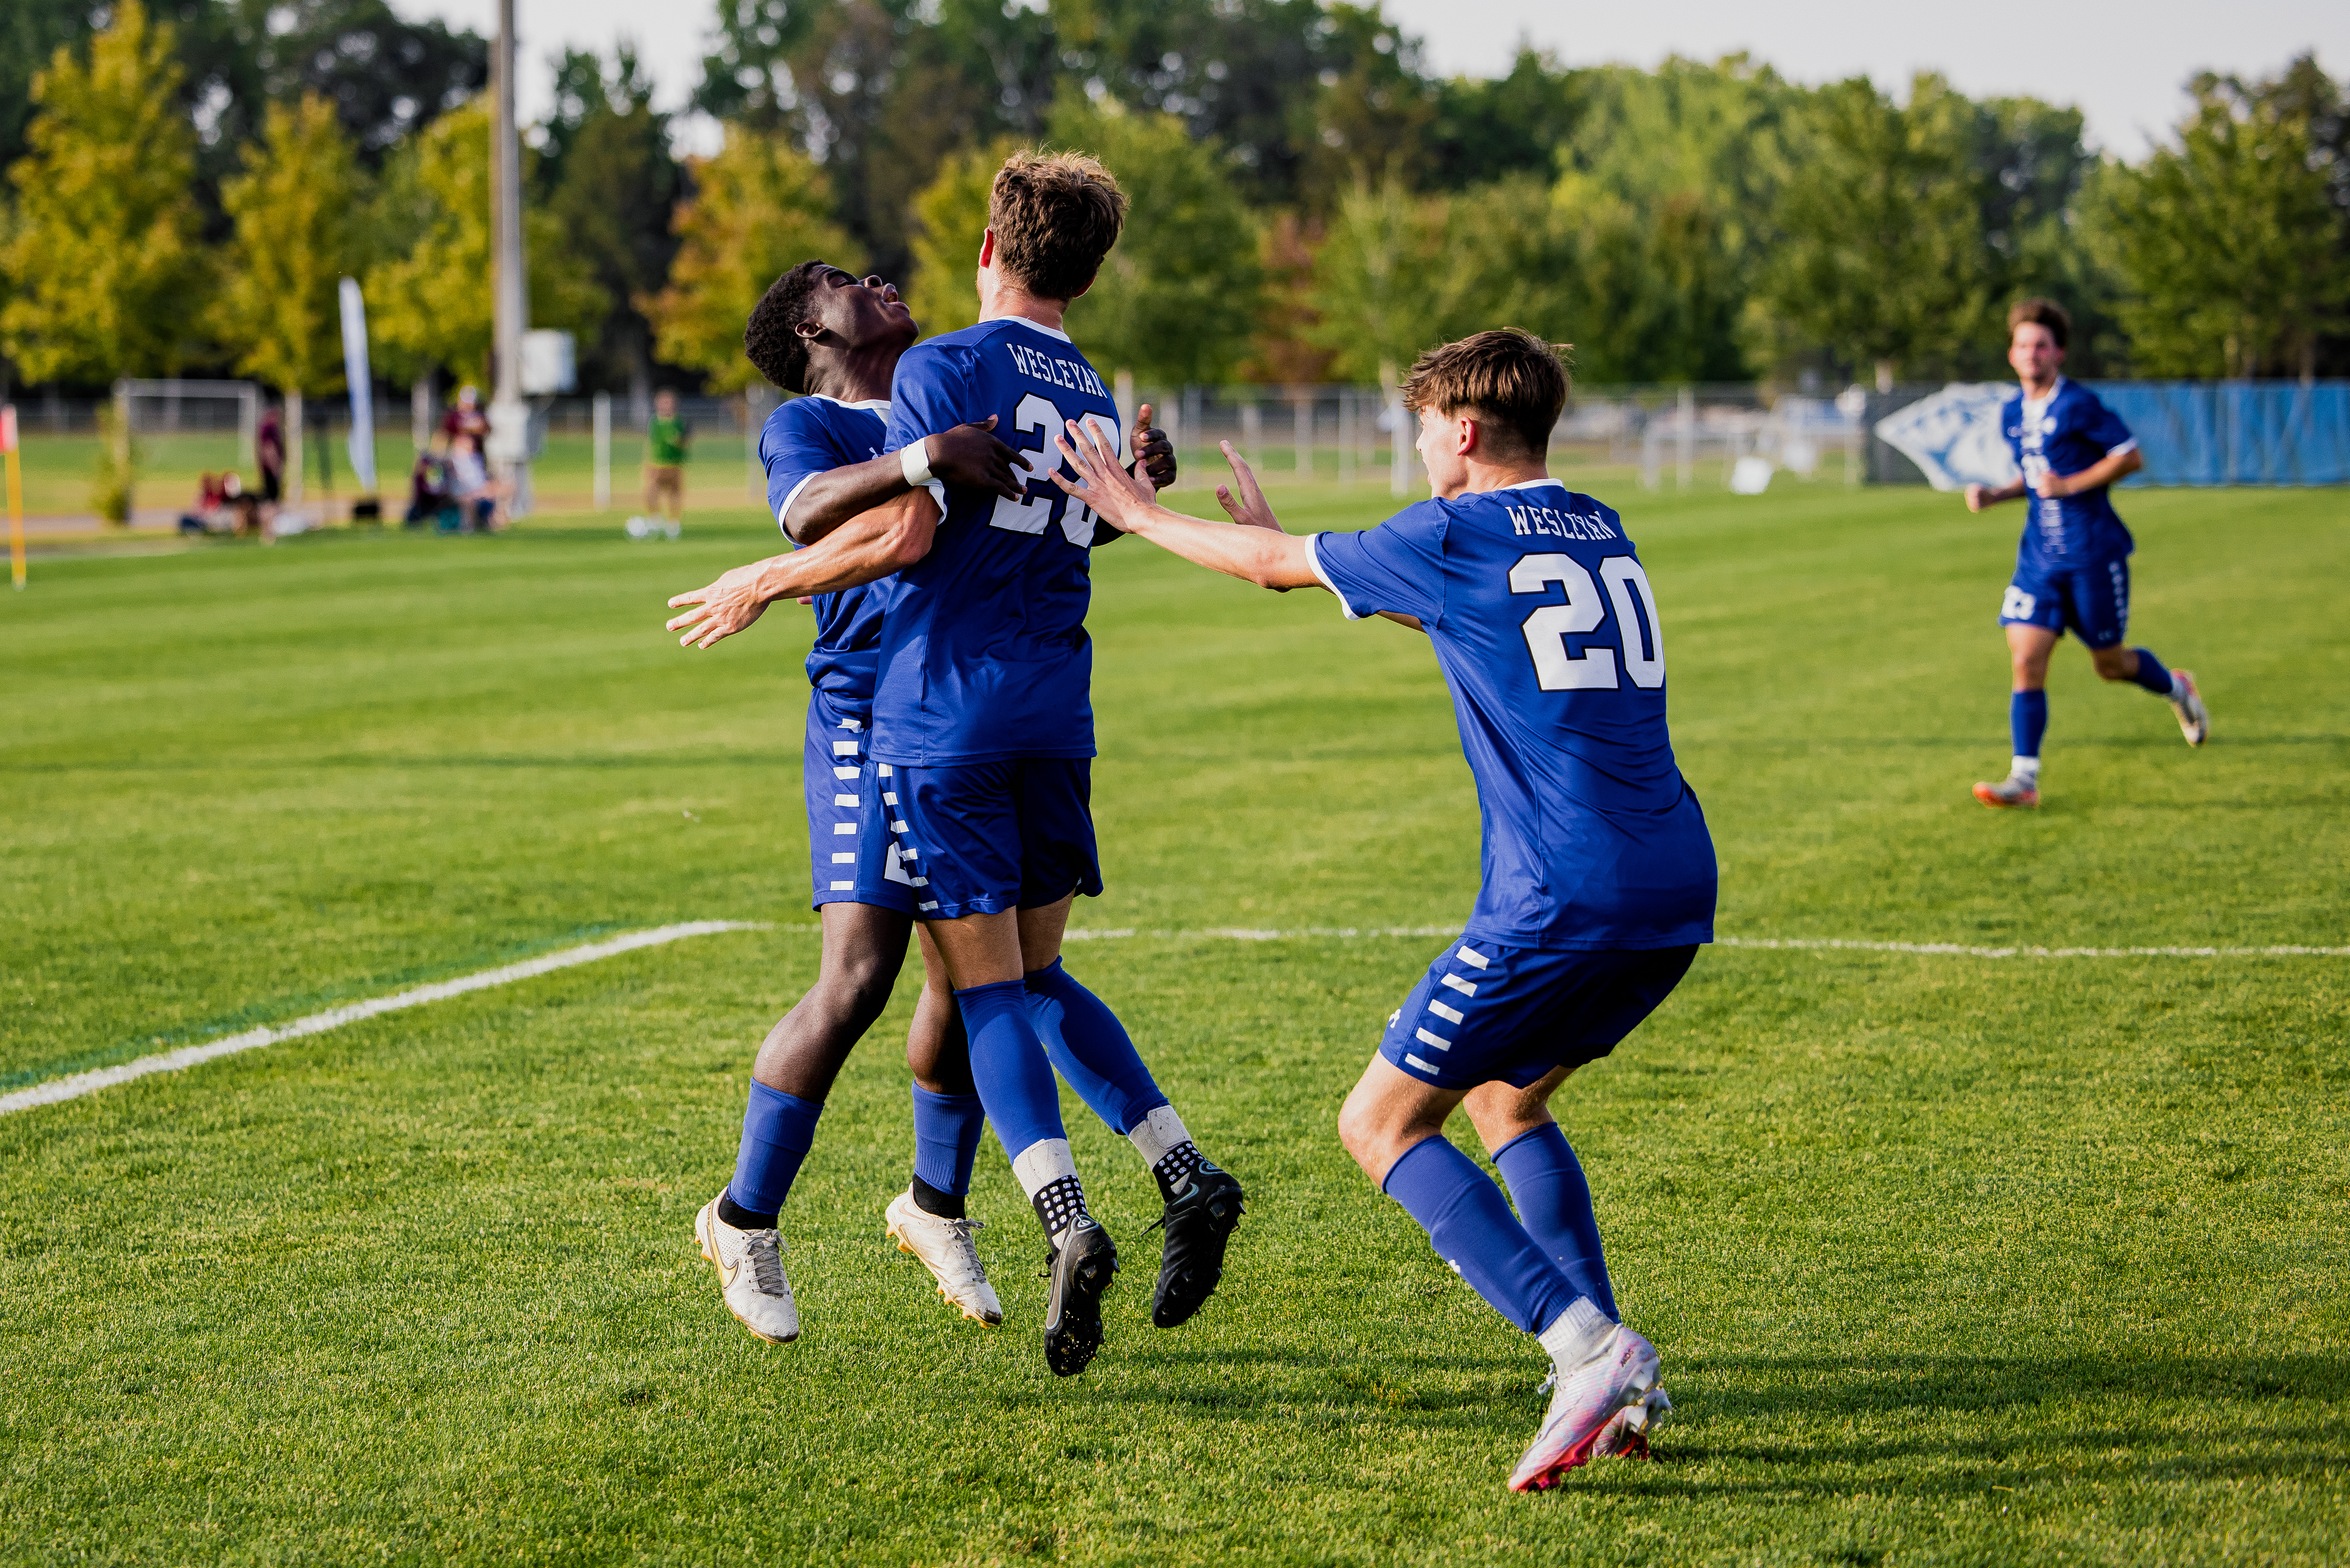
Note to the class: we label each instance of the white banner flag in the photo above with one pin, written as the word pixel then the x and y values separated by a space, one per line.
pixel 362 446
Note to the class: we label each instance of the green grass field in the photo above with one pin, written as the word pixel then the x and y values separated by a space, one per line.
pixel 1951 1259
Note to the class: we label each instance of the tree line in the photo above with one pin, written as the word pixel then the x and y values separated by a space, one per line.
pixel 188 179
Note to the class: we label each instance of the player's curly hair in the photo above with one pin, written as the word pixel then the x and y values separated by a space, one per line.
pixel 771 338
pixel 1055 217
pixel 1509 376
pixel 2042 313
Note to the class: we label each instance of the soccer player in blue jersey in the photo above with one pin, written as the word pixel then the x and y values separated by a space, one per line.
pixel 1598 871
pixel 2072 568
pixel 1042 1016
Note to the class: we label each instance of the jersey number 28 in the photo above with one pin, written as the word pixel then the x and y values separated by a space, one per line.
pixel 1548 628
pixel 1032 513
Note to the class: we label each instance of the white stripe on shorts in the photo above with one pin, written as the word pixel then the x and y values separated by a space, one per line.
pixel 1451 1015
pixel 1473 958
pixel 844 800
pixel 1460 985
pixel 1425 1038
pixel 1426 1067
pixel 844 748
pixel 844 773
pixel 844 857
pixel 844 830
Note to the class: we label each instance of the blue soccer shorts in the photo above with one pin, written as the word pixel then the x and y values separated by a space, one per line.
pixel 2091 600
pixel 984 837
pixel 836 771
pixel 1485 1012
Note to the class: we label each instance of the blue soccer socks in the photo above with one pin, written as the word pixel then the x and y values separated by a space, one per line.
pixel 1090 1048
pixel 1008 1065
pixel 1554 1204
pixel 2027 722
pixel 1472 1227
pixel 2152 673
pixel 777 1129
pixel 946 1140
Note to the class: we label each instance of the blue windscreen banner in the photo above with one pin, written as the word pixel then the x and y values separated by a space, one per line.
pixel 2191 432
pixel 2237 432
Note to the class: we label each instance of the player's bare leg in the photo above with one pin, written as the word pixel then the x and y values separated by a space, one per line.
pixel 928 1219
pixel 1393 1124
pixel 864 947
pixel 2028 649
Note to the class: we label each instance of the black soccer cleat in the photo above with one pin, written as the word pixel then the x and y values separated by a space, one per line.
pixel 1198 1221
pixel 1082 1268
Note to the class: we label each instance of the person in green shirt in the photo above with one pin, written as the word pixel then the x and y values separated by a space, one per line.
pixel 669 441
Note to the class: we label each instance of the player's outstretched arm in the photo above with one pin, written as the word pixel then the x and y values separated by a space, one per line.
pixel 968 456
pixel 866 548
pixel 1259 551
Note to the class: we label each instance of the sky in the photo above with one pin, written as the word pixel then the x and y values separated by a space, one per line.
pixel 2124 64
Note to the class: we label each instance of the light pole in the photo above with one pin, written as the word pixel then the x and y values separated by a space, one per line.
pixel 509 445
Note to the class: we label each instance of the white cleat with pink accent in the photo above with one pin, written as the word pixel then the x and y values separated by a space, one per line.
pixel 2187 702
pixel 1602 1368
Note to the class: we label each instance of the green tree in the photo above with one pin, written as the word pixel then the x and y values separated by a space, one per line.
pixel 617 188
pixel 2230 247
pixel 105 276
pixel 297 209
pixel 759 208
pixel 1882 261
pixel 429 303
pixel 1177 297
pixel 950 217
pixel 1377 292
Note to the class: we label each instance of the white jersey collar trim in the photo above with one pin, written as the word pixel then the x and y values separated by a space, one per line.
pixel 879 405
pixel 1535 484
pixel 1037 326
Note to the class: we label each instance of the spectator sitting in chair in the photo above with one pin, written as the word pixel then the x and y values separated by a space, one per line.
pixel 475 490
pixel 429 485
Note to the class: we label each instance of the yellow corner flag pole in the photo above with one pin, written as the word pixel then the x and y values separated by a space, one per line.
pixel 15 496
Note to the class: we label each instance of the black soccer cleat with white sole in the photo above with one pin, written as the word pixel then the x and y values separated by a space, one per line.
pixel 1199 1222
pixel 1082 1268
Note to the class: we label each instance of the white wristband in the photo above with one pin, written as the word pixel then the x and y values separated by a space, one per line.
pixel 915 460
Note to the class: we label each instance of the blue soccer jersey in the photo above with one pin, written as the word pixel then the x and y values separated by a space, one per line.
pixel 1546 630
pixel 984 654
pixel 806 437
pixel 2069 431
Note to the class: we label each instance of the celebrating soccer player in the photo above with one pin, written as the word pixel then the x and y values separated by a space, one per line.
pixel 982 735
pixel 1598 870
pixel 2072 568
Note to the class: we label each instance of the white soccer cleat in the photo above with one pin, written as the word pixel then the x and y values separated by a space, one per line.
pixel 750 1275
pixel 2187 703
pixel 2011 791
pixel 1613 1370
pixel 1626 1434
pixel 946 1249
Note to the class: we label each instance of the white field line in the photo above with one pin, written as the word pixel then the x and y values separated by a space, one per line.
pixel 75 1086
pixel 1790 944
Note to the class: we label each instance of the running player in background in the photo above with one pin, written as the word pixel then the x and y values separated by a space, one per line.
pixel 1599 873
pixel 2072 568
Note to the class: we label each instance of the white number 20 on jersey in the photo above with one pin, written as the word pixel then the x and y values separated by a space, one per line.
pixel 1548 628
pixel 1032 514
